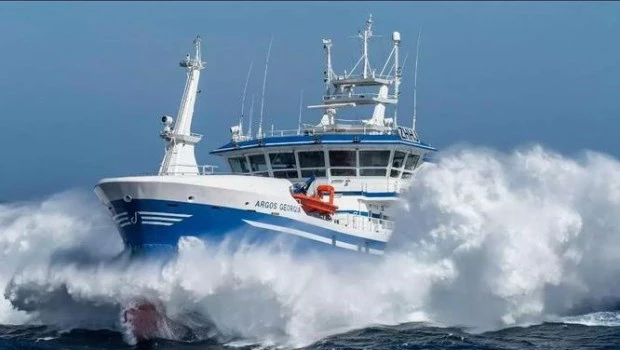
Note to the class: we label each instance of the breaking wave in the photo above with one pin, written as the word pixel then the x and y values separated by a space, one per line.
pixel 484 240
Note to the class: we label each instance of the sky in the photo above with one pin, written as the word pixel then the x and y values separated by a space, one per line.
pixel 83 85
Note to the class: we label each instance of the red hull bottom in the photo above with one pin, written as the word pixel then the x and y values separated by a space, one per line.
pixel 144 320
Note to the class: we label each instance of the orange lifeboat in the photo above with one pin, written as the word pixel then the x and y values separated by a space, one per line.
pixel 315 203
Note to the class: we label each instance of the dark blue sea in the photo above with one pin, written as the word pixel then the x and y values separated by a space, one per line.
pixel 406 336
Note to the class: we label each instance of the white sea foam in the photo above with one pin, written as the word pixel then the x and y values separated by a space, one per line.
pixel 484 240
pixel 601 319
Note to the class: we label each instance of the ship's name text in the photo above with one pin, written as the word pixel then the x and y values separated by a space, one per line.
pixel 276 206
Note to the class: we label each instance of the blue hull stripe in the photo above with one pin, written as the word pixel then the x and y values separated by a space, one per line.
pixel 150 223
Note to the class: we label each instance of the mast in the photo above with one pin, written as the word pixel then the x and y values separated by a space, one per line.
pixel 245 88
pixel 262 102
pixel 251 116
pixel 360 87
pixel 301 102
pixel 415 82
pixel 397 72
pixel 329 72
pixel 180 157
pixel 340 90
pixel 365 37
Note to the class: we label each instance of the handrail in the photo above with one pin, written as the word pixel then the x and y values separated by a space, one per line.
pixel 360 129
pixel 340 78
pixel 366 223
pixel 392 186
pixel 342 129
pixel 343 126
pixel 360 95
pixel 207 169
pixel 285 132
pixel 200 173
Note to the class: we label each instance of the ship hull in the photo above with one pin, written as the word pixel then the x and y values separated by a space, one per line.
pixel 153 213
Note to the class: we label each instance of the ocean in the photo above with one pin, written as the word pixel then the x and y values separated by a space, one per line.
pixel 406 336
pixel 491 250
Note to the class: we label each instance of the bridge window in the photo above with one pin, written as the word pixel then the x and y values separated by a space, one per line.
pixel 398 160
pixel 342 158
pixel 342 172
pixel 238 165
pixel 311 159
pixel 373 172
pixel 395 173
pixel 285 174
pixel 281 161
pixel 258 163
pixel 411 162
pixel 374 158
pixel 315 172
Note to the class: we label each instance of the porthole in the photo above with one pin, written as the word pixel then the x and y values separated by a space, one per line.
pixel 127 198
pixel 190 198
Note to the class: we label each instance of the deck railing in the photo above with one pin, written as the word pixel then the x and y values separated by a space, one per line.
pixel 356 96
pixel 366 223
pixel 313 129
pixel 342 126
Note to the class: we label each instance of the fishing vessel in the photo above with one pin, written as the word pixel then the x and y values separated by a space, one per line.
pixel 329 186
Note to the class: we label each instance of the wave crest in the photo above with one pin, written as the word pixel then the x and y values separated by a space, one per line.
pixel 483 240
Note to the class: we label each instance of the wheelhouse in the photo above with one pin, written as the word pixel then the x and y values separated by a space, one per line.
pixel 357 156
pixel 376 156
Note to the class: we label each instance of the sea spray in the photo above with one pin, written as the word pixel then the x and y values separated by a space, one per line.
pixel 483 240
pixel 531 233
pixel 34 234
